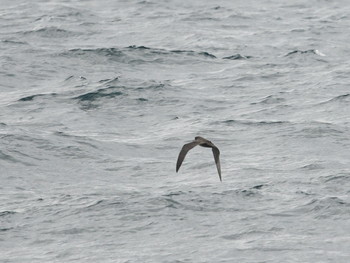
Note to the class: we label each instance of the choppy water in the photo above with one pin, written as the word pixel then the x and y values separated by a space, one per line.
pixel 98 97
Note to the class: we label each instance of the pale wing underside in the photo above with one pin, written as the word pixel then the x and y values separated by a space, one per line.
pixel 183 153
pixel 216 154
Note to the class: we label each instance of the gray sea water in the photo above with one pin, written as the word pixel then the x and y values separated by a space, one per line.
pixel 98 97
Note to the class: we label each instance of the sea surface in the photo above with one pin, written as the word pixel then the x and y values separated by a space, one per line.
pixel 97 98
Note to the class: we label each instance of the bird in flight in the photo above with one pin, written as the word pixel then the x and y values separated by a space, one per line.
pixel 201 142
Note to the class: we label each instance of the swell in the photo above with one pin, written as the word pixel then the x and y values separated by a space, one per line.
pixel 142 54
pixel 326 207
pixel 114 91
pixel 254 123
pixel 51 32
pixel 32 97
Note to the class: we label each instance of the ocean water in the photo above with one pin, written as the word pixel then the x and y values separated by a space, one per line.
pixel 98 97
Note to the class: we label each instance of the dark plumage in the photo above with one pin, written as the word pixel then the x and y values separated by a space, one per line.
pixel 201 142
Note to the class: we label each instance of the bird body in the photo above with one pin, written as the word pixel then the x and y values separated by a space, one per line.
pixel 201 142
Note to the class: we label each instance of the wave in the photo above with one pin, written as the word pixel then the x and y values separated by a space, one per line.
pixel 193 53
pixel 176 51
pixel 10 41
pixel 138 54
pixel 339 98
pixel 32 97
pixel 109 52
pixel 89 101
pixel 237 57
pixel 341 178
pixel 305 52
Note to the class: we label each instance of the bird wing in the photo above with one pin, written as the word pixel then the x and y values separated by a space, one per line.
pixel 216 154
pixel 183 153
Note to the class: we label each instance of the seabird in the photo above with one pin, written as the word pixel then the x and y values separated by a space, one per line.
pixel 201 142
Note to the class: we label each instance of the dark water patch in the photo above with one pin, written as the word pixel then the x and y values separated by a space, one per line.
pixel 142 99
pixel 237 57
pixel 32 97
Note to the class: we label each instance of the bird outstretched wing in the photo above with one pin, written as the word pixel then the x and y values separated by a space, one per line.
pixel 183 153
pixel 216 154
